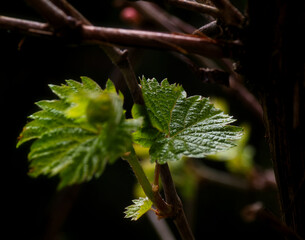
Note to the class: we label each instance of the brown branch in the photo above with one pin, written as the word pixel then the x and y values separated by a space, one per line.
pixel 229 14
pixel 224 10
pixel 193 6
pixel 173 199
pixel 25 26
pixel 196 7
pixel 177 42
pixel 71 11
pixel 54 15
pixel 99 35
pixel 211 29
pixel 257 180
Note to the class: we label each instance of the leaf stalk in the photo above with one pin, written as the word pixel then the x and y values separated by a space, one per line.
pixel 164 209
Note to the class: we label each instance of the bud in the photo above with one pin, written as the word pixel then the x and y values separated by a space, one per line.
pixel 100 109
pixel 131 16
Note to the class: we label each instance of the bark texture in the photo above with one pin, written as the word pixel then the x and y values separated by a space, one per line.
pixel 275 65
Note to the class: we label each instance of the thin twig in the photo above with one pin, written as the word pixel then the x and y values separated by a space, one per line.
pixel 25 26
pixel 193 6
pixel 54 15
pixel 196 7
pixel 211 29
pixel 173 199
pixel 71 11
pixel 229 13
pixel 224 10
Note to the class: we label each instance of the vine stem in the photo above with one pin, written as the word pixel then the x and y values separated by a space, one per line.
pixel 164 209
pixel 172 198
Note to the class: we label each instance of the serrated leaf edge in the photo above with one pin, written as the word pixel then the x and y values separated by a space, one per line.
pixel 138 209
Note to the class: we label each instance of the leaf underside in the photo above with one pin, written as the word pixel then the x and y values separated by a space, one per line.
pixel 68 143
pixel 176 125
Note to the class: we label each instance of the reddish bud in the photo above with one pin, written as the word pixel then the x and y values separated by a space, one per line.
pixel 131 16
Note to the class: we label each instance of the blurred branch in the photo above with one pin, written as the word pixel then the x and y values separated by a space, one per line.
pixel 220 77
pixel 238 90
pixel 196 7
pixel 60 208
pixel 71 11
pixel 205 173
pixel 153 13
pixel 223 10
pixel 256 212
pixel 160 226
pixel 257 180
pixel 191 5
pixel 54 15
pixel 247 98
pixel 229 14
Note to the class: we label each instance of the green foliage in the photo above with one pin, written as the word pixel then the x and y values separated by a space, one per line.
pixel 79 133
pixel 136 210
pixel 176 125
pixel 238 160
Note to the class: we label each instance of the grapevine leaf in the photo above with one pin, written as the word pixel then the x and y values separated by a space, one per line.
pixel 79 133
pixel 136 210
pixel 176 125
pixel 147 135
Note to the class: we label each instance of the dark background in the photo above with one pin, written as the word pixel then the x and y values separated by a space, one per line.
pixel 33 207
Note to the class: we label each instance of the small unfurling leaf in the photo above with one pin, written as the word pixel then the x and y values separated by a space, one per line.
pixel 136 210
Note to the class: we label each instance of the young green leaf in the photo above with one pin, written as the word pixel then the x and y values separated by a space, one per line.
pixel 136 210
pixel 176 125
pixel 79 133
